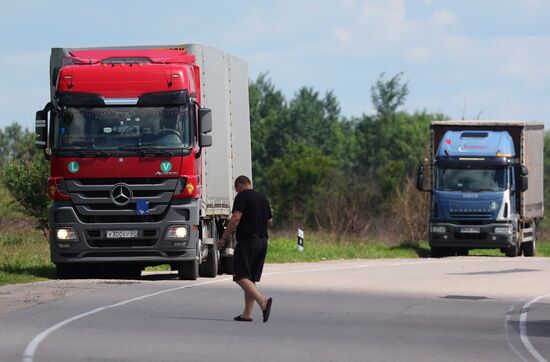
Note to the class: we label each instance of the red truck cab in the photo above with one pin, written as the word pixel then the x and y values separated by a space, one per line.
pixel 125 138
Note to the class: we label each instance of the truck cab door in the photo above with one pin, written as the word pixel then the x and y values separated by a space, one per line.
pixel 513 191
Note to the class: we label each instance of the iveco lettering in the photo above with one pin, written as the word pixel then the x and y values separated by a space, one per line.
pixel 137 177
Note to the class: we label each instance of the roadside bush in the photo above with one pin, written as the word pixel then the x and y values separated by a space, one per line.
pixel 26 179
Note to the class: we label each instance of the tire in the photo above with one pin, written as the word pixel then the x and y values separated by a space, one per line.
pixel 512 251
pixel 227 263
pixel 209 268
pixel 188 270
pixel 515 249
pixel 438 252
pixel 528 248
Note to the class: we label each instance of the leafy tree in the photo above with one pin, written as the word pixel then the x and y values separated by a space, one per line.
pixel 294 181
pixel 24 171
pixel 16 142
pixel 387 96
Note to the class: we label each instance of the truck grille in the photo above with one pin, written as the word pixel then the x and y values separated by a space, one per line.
pixel 465 215
pixel 93 203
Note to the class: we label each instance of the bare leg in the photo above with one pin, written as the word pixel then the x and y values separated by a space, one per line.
pixel 248 306
pixel 252 292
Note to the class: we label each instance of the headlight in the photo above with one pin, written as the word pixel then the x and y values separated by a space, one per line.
pixel 438 229
pixel 66 234
pixel 177 232
pixel 503 230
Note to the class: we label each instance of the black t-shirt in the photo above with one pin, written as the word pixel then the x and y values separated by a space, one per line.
pixel 255 211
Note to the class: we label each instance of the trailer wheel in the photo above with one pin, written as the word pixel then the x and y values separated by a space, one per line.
pixel 209 268
pixel 188 270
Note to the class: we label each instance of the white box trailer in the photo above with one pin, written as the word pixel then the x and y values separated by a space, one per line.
pixel 224 81
pixel 224 89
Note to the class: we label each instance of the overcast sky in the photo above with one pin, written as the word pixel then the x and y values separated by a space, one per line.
pixel 471 58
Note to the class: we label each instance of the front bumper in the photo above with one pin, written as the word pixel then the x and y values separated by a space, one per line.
pixel 150 247
pixel 460 236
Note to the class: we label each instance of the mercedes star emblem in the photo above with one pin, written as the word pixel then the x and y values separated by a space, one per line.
pixel 121 194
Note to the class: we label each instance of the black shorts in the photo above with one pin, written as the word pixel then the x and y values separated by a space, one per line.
pixel 249 258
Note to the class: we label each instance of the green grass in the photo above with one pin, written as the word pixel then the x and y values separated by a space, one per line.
pixel 284 250
pixel 24 255
pixel 24 250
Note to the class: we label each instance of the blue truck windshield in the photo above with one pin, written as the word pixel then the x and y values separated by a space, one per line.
pixel 471 180
pixel 116 127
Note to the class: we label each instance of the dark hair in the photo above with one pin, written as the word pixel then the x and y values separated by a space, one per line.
pixel 243 180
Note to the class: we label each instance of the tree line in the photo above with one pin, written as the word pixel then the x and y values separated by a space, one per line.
pixel 320 169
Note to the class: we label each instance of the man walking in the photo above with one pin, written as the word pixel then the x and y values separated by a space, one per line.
pixel 251 215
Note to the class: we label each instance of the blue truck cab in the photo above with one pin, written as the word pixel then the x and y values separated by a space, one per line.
pixel 478 186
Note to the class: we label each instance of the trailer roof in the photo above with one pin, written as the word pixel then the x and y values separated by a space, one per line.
pixel 503 123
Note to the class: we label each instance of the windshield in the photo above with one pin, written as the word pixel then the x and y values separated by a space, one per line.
pixel 119 127
pixel 471 180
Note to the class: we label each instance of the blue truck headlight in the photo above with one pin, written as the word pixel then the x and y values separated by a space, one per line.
pixel 438 229
pixel 502 230
pixel 177 232
pixel 66 234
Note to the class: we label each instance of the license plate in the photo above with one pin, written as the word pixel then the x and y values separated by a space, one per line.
pixel 122 234
pixel 470 230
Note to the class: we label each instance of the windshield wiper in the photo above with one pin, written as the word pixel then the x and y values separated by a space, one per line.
pixel 93 152
pixel 146 149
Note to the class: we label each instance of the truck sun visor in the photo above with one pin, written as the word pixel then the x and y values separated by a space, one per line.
pixel 77 99
pixel 172 98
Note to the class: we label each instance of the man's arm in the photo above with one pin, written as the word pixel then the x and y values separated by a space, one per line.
pixel 270 222
pixel 233 222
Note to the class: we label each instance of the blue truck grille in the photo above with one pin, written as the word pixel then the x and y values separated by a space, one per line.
pixel 467 215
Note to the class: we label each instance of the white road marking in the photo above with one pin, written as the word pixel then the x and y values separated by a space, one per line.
pixel 30 350
pixel 523 328
pixel 508 339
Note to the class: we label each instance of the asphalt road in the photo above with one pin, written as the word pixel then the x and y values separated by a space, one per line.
pixel 452 309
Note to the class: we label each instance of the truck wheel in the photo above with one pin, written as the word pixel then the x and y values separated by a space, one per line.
pixel 188 270
pixel 515 249
pixel 227 262
pixel 512 251
pixel 438 252
pixel 209 268
pixel 529 247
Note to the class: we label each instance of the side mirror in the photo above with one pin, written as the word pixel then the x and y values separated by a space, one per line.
pixel 41 129
pixel 420 178
pixel 205 120
pixel 524 179
pixel 205 140
pixel 524 170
